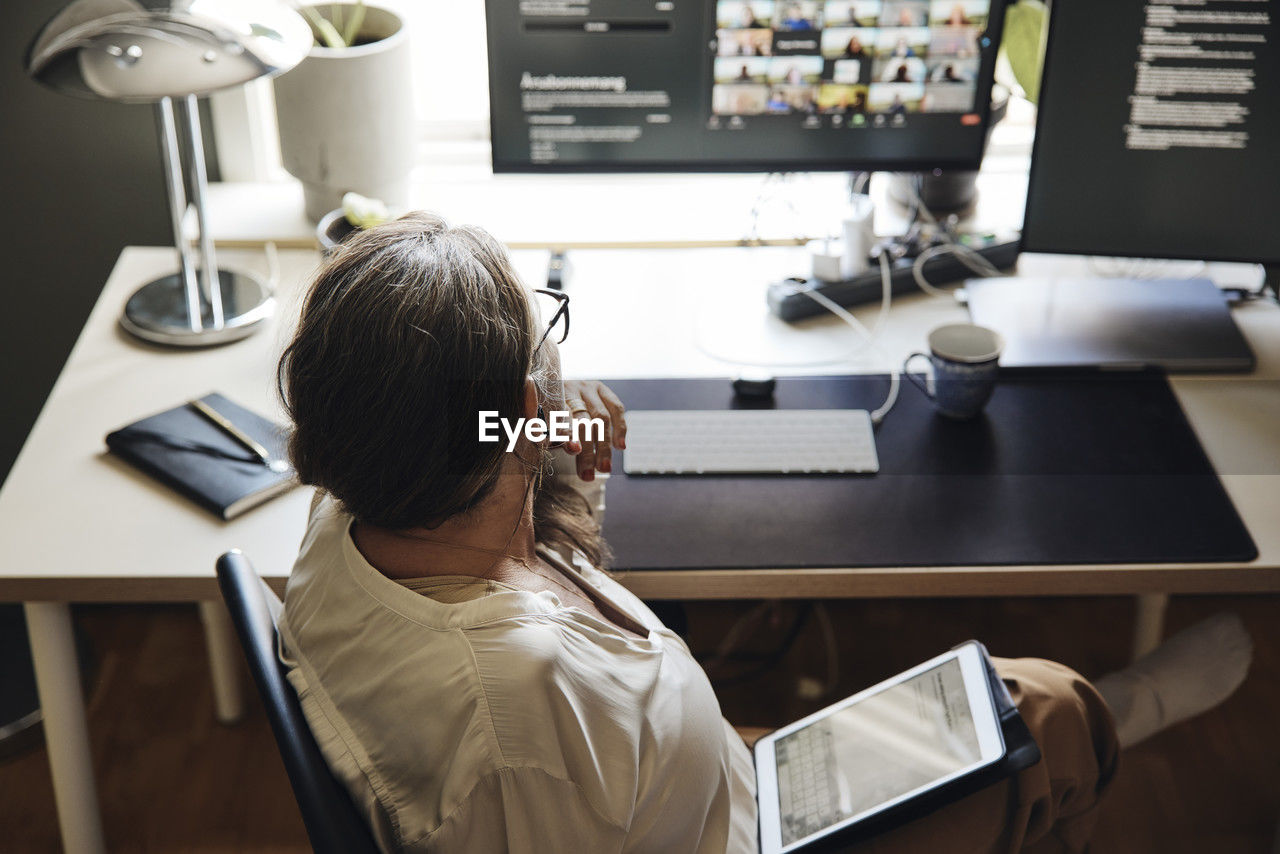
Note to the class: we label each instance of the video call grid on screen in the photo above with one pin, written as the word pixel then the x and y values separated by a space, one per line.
pixel 739 85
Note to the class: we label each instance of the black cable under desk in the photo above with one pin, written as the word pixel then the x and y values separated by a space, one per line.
pixel 1064 467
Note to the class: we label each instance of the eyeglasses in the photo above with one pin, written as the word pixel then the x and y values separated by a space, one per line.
pixel 562 311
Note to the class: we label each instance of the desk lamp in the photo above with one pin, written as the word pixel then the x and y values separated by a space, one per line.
pixel 168 53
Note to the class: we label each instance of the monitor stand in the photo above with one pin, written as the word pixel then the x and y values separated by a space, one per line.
pixel 1181 325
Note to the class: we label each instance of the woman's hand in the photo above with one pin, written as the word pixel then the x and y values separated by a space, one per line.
pixel 593 399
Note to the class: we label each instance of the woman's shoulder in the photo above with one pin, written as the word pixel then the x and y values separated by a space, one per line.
pixel 534 649
pixel 535 669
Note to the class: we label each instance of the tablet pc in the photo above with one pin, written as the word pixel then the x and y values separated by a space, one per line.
pixel 854 760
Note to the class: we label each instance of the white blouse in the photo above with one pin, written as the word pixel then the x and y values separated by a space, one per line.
pixel 493 719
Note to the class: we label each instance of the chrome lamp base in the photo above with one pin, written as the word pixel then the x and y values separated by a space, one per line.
pixel 157 311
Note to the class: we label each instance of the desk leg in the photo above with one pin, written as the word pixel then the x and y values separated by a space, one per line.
pixel 224 661
pixel 1148 629
pixel 66 733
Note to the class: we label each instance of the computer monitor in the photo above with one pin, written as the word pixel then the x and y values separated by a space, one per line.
pixel 1157 137
pixel 1158 133
pixel 740 85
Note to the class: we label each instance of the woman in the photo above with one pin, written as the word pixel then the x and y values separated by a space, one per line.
pixel 958 18
pixel 475 689
pixel 794 20
pixel 855 49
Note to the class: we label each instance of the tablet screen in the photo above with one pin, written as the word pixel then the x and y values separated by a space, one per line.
pixel 875 750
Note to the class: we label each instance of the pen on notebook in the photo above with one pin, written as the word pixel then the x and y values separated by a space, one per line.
pixel 239 435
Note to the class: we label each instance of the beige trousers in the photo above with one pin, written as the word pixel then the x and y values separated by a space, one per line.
pixel 1046 809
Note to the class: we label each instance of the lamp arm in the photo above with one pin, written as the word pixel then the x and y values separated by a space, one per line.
pixel 209 276
pixel 178 206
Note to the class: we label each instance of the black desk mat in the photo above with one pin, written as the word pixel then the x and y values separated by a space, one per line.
pixel 1064 467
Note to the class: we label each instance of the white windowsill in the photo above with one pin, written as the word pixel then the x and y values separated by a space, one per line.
pixel 608 210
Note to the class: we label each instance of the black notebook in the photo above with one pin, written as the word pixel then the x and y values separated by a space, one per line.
pixel 186 451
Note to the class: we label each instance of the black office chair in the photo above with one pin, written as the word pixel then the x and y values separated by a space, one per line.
pixel 333 824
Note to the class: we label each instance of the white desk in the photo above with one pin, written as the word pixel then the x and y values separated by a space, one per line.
pixel 77 526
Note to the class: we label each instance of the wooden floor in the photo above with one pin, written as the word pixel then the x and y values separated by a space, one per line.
pixel 172 780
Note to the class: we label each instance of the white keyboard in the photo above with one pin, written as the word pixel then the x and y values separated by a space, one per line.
pixel 750 441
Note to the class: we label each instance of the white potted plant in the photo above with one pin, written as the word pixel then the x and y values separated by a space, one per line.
pixel 346 111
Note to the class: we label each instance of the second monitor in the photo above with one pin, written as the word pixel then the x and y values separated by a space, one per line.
pixel 740 85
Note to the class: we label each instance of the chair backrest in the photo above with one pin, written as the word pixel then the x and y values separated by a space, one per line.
pixel 332 821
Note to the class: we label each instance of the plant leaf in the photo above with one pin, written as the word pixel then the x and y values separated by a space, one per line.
pixel 1023 41
pixel 364 212
pixel 325 33
pixel 314 19
pixel 354 24
pixel 332 37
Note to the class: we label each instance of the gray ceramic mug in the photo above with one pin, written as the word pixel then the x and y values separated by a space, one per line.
pixel 966 360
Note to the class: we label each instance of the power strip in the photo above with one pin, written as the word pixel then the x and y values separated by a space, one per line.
pixel 789 302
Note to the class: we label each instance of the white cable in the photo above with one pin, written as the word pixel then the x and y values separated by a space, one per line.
pixel 895 385
pixel 774 188
pixel 273 264
pixel 869 336
pixel 921 208
pixel 971 258
pixel 729 643
pixel 917 272
pixel 895 379
pixel 753 230
pixel 966 256
pixel 859 183
pixel 975 261
pixel 833 648
pixel 837 359
pixel 886 294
